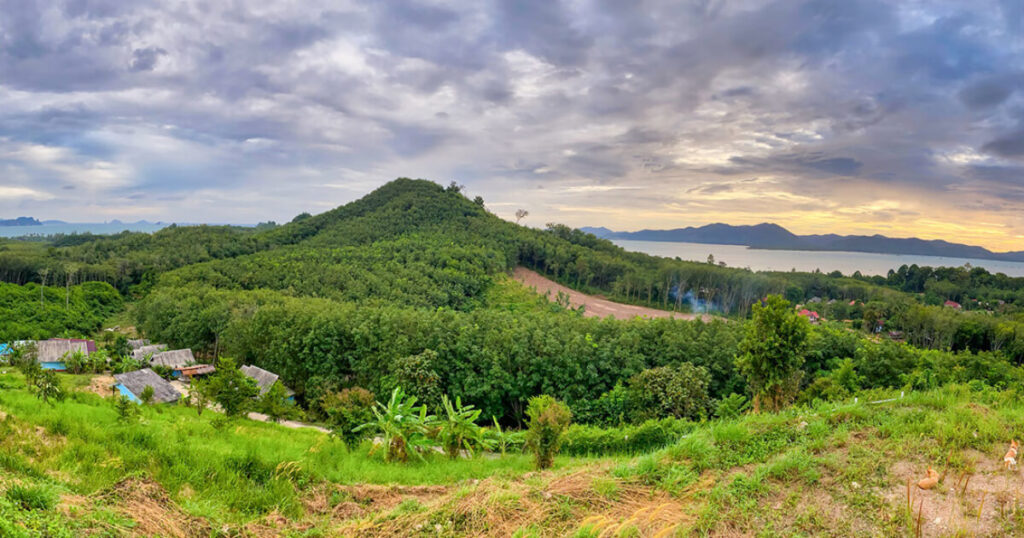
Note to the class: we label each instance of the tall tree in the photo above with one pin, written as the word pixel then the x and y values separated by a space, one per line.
pixel 772 352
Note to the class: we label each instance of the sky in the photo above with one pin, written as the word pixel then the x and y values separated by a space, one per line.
pixel 861 116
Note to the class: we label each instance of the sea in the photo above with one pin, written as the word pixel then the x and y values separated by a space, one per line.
pixel 808 260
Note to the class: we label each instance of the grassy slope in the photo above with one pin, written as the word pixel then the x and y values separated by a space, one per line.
pixel 834 471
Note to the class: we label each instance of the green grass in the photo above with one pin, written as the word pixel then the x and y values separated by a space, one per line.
pixel 725 472
pixel 233 474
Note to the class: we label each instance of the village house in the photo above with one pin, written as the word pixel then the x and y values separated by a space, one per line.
pixel 264 379
pixel 140 352
pixel 51 354
pixel 133 384
pixel 176 360
pixel 952 304
pixel 811 315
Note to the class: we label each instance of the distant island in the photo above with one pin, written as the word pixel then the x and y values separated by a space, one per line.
pixel 773 236
pixel 20 221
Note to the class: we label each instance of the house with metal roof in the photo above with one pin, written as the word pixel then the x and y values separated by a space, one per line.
pixel 52 353
pixel 177 360
pixel 264 379
pixel 140 352
pixel 133 384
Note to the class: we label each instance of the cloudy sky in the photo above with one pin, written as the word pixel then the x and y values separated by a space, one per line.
pixel 901 118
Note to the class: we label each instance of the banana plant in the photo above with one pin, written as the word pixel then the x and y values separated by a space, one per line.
pixel 458 429
pixel 402 425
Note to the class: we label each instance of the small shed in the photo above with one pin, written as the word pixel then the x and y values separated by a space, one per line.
pixel 51 353
pixel 132 384
pixel 140 352
pixel 5 349
pixel 264 379
pixel 176 360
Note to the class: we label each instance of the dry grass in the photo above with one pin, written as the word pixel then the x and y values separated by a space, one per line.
pixel 557 502
pixel 155 514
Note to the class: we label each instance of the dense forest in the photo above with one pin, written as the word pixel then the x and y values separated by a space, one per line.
pixel 404 287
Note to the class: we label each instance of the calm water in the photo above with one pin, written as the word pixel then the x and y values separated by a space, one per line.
pixel 801 260
pixel 79 227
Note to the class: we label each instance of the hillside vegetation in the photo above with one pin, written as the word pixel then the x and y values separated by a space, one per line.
pixel 76 469
pixel 677 425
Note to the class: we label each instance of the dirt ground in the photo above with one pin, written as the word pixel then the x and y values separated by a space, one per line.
pixel 963 503
pixel 595 306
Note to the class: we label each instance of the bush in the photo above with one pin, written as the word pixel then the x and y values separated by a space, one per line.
pixel 274 403
pixel 585 440
pixel 669 391
pixel 731 406
pixel 47 386
pixel 31 497
pixel 147 395
pixel 548 421
pixel 346 411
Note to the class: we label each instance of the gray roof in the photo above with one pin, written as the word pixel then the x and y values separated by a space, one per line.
pixel 173 359
pixel 55 350
pixel 138 380
pixel 136 343
pixel 141 352
pixel 264 379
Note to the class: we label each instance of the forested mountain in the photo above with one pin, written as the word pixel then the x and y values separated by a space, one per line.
pixel 410 283
pixel 773 236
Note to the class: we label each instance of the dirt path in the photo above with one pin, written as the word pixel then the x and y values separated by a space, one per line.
pixel 595 307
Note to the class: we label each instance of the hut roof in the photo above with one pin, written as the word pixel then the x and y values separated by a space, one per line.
pixel 136 343
pixel 141 352
pixel 176 359
pixel 264 379
pixel 138 380
pixel 55 350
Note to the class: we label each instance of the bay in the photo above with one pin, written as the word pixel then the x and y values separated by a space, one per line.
pixel 808 260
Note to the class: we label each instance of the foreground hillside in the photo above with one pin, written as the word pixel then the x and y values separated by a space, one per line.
pixel 74 469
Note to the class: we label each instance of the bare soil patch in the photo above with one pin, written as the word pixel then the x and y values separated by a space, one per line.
pixel 974 503
pixel 595 307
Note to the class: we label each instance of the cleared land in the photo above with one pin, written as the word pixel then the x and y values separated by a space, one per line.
pixel 595 307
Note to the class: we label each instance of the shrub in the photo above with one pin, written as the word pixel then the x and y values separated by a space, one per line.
pixel 586 440
pixel 548 421
pixel 346 411
pixel 147 395
pixel 274 403
pixel 126 410
pixel 669 391
pixel 31 497
pixel 47 386
pixel 731 406
pixel 163 371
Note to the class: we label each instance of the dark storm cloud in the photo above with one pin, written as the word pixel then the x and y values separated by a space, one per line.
pixel 166 100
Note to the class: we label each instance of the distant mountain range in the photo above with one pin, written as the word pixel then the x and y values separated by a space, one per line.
pixel 773 236
pixel 20 221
